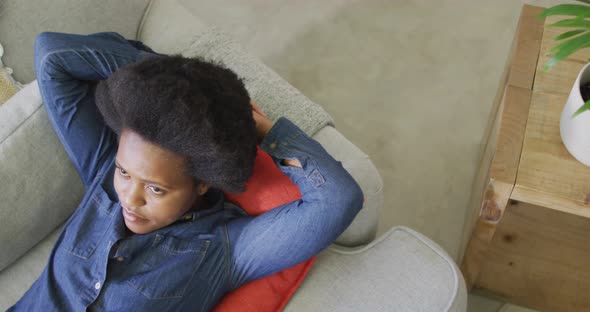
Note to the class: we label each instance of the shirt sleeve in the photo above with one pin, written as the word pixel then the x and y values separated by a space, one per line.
pixel 294 232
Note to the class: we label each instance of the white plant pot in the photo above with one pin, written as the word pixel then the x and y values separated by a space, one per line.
pixel 575 132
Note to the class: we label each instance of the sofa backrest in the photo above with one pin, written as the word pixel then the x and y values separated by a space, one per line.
pixel 21 21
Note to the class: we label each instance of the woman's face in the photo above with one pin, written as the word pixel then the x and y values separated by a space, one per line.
pixel 151 186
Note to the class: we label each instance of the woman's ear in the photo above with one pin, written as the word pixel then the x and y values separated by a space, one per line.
pixel 202 188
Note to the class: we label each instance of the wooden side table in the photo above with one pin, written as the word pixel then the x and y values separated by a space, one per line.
pixel 528 233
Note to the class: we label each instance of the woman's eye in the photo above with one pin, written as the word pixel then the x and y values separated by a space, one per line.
pixel 156 190
pixel 123 172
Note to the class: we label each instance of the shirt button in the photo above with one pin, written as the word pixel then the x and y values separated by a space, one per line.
pixel 188 217
pixel 120 259
pixel 273 145
pixel 97 285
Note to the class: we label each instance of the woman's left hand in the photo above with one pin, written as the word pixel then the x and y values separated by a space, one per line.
pixel 263 125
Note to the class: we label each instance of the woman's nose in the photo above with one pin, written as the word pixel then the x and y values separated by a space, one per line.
pixel 133 197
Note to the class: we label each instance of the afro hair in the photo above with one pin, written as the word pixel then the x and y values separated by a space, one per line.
pixel 191 107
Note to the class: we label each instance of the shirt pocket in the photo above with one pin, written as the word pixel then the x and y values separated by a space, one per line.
pixel 89 224
pixel 168 267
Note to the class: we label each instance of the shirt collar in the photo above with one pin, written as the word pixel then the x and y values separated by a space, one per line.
pixel 213 202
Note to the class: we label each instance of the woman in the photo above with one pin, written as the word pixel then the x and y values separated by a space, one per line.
pixel 156 139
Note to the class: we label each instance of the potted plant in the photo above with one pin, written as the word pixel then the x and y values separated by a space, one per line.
pixel 575 121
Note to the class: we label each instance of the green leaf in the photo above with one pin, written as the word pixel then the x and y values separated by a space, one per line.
pixel 578 10
pixel 570 33
pixel 582 109
pixel 568 47
pixel 585 38
pixel 573 22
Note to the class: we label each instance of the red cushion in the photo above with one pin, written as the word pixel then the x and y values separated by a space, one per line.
pixel 267 188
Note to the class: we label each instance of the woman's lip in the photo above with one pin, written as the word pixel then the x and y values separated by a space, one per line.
pixel 131 216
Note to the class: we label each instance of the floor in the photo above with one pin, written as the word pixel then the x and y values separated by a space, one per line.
pixel 409 82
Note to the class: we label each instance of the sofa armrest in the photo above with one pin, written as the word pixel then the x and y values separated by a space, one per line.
pixel 401 271
pixel 363 229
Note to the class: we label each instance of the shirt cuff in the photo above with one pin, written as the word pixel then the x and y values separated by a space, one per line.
pixel 280 137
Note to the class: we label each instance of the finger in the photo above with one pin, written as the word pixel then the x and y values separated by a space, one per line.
pixel 256 108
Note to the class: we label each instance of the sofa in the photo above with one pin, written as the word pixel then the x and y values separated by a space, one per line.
pixel 401 270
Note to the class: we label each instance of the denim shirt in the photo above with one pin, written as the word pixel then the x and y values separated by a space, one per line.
pixel 190 264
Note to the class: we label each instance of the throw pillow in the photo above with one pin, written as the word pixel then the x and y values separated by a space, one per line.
pixel 8 86
pixel 268 187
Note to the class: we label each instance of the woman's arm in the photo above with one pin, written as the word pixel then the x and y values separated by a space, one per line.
pixel 294 232
pixel 67 66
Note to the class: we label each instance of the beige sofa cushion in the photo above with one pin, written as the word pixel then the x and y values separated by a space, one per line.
pixel 40 188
